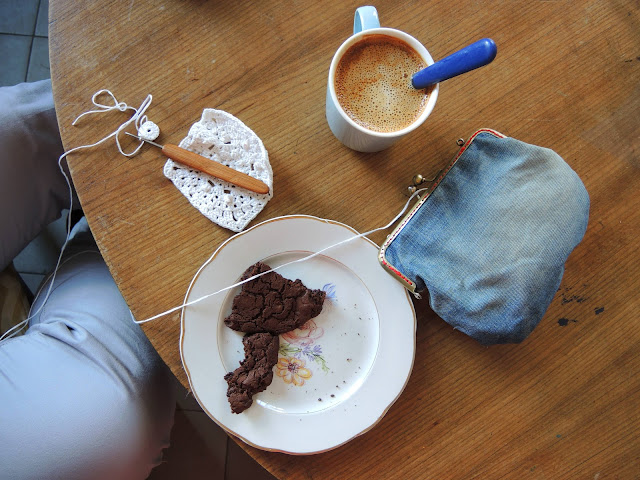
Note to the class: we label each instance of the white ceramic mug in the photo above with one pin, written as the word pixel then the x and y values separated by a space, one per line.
pixel 351 134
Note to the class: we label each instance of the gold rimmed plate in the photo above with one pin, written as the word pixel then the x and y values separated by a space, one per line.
pixel 336 376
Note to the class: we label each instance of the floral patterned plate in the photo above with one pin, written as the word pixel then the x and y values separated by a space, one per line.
pixel 337 375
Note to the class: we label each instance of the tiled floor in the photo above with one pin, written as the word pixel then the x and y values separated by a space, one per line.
pixel 199 448
pixel 24 54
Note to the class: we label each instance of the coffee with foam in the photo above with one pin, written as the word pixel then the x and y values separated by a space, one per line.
pixel 373 83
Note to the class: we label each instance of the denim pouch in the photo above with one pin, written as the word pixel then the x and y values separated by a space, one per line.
pixel 489 238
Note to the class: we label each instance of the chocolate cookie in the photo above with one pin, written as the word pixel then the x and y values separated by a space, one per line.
pixel 272 303
pixel 255 372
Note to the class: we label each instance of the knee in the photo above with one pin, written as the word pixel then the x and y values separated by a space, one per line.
pixel 140 430
pixel 68 415
pixel 140 421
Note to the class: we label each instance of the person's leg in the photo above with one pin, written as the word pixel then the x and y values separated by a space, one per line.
pixel 32 188
pixel 83 394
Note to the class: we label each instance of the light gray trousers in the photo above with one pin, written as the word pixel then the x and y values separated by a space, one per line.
pixel 83 394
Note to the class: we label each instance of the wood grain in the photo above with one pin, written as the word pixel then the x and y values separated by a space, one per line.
pixel 564 404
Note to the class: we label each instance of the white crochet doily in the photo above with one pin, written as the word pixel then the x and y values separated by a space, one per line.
pixel 225 139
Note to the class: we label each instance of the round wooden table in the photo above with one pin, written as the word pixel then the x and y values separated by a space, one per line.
pixel 564 403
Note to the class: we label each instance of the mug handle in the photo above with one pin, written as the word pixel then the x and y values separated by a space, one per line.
pixel 365 18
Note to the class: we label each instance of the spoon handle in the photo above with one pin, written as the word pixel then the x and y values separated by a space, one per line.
pixel 476 55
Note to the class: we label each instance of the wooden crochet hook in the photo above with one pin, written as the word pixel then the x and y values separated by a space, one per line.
pixel 209 167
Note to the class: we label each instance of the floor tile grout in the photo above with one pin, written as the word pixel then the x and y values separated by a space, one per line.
pixel 26 74
pixel 35 20
pixel 32 35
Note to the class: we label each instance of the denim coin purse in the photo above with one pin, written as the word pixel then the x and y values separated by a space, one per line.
pixel 489 238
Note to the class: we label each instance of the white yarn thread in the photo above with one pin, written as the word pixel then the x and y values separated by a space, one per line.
pixel 137 118
pixel 303 259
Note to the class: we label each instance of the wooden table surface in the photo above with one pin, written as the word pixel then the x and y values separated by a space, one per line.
pixel 565 403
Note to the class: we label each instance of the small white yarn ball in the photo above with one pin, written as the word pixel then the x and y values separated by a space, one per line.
pixel 149 131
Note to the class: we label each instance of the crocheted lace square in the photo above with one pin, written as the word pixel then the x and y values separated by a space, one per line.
pixel 225 139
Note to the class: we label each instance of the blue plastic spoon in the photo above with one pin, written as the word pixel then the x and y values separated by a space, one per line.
pixel 476 55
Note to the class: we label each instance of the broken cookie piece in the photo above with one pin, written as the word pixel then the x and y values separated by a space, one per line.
pixel 272 303
pixel 255 372
pixel 265 307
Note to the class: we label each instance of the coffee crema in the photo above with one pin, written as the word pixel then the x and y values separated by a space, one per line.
pixel 373 83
